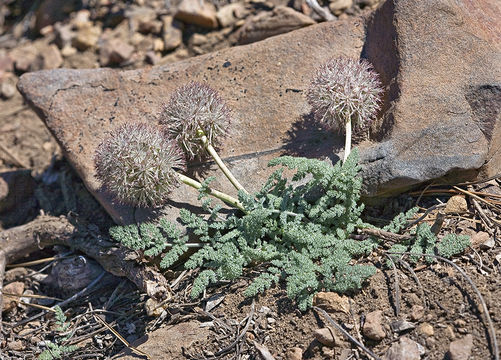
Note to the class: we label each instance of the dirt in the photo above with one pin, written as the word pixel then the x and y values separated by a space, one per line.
pixel 449 303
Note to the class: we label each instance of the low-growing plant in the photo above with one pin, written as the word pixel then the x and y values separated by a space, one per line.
pixel 297 230
pixel 55 350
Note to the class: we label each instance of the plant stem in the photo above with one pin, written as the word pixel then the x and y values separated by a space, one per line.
pixel 220 162
pixel 221 196
pixel 347 141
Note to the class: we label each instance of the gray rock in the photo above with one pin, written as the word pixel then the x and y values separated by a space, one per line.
pixel 405 349
pixel 401 326
pixel 461 349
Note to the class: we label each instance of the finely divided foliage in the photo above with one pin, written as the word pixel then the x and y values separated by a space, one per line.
pixel 345 89
pixel 191 108
pixel 136 164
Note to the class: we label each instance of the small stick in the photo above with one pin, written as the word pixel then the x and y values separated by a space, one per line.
pixel 397 287
pixel 345 333
pixel 17 161
pixel 385 235
pixel 263 351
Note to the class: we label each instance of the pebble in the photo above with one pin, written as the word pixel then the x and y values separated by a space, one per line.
pixel 332 302
pixel 229 14
pixel 172 34
pixel 479 238
pixel 114 52
pixel 86 37
pixel 402 325
pixel 488 244
pixel 426 329
pixel 373 326
pixel 15 288
pixel 197 12
pixel 456 205
pixel 294 353
pixel 339 6
pixel 152 308
pixel 8 88
pixel 16 345
pixel 51 57
pixel 461 348
pixel 405 349
pixel 417 312
pixel 326 336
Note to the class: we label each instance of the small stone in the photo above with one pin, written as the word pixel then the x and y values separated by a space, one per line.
pixel 456 205
pixel 332 302
pixel 51 57
pixel 479 238
pixel 6 63
pixel 23 58
pixel 488 244
pixel 64 35
pixel 68 51
pixel 86 37
pixel 158 45
pixel 8 88
pixel 373 327
pixel 326 336
pixel 15 273
pixel 81 19
pixel 294 353
pixel 271 320
pixel 25 332
pixel 114 52
pixel 143 19
pixel 339 6
pixel 197 12
pixel 152 308
pixel 15 288
pixel 172 33
pixel 405 349
pixel 16 345
pixel 426 329
pixel 417 312
pixel 198 39
pixel 151 57
pixel 229 14
pixel 461 348
pixel 401 326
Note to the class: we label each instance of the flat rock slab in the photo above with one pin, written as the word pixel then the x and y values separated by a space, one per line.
pixel 440 63
pixel 167 342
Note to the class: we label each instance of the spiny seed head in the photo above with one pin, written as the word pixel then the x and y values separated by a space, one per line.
pixel 136 164
pixel 192 107
pixel 345 89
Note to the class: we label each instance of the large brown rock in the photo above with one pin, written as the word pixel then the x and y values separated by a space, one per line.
pixel 263 83
pixel 440 62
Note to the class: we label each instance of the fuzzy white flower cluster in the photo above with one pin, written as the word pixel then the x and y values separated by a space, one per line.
pixel 345 90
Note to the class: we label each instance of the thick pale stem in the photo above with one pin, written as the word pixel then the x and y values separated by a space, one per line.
pixel 220 162
pixel 347 141
pixel 217 194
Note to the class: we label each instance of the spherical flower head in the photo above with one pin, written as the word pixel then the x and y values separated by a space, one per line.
pixel 137 163
pixel 345 90
pixel 193 107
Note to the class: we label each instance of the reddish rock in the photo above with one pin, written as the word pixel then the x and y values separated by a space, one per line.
pixel 197 12
pixel 270 23
pixel 260 82
pixel 6 63
pixel 24 57
pixel 229 14
pixel 8 87
pixel 332 302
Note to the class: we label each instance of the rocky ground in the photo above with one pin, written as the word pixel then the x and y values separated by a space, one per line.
pixel 428 312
